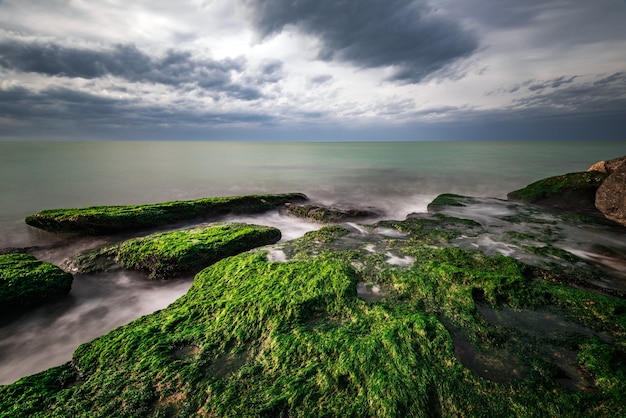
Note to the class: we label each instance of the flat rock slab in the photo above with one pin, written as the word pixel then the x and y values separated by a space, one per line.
pixel 172 254
pixel 98 220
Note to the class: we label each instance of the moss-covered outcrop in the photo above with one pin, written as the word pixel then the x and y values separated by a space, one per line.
pixel 171 254
pixel 456 332
pixel 575 192
pixel 110 219
pixel 26 282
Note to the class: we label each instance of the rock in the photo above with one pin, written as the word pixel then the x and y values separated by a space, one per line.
pixel 456 326
pixel 610 166
pixel 325 214
pixel 599 166
pixel 610 198
pixel 26 282
pixel 111 219
pixel 574 192
pixel 168 255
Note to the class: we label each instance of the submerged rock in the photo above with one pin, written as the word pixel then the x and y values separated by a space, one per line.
pixel 111 219
pixel 325 214
pixel 172 254
pixel 26 282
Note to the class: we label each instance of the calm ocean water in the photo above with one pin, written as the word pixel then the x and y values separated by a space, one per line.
pixel 394 176
pixel 398 178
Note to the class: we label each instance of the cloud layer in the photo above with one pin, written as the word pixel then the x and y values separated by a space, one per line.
pixel 410 36
pixel 367 69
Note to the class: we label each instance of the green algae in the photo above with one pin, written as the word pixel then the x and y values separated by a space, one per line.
pixel 559 186
pixel 172 254
pixel 109 219
pixel 26 282
pixel 446 200
pixel 255 338
pixel 458 333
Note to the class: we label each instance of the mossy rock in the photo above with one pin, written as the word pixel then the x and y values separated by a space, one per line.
pixel 110 219
pixel 172 254
pixel 446 200
pixel 456 332
pixel 573 192
pixel 26 282
pixel 325 214
pixel 259 338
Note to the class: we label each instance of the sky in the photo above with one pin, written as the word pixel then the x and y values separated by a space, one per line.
pixel 321 70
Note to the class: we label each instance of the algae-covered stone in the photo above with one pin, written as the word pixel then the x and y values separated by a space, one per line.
pixel 575 192
pixel 445 200
pixel 318 213
pixel 457 331
pixel 171 254
pixel 26 282
pixel 110 219
pixel 257 338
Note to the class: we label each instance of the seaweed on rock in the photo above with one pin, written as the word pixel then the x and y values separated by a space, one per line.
pixel 110 219
pixel 458 330
pixel 26 282
pixel 172 254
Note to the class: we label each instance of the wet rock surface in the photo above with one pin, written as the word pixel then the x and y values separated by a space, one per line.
pixel 172 254
pixel 98 220
pixel 26 282
pixel 325 214
pixel 481 303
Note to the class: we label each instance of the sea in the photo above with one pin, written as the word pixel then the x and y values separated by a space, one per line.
pixel 397 178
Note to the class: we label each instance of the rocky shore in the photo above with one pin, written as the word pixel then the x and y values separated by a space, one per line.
pixel 480 307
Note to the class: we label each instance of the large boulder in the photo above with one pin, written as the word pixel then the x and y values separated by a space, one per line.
pixel 610 197
pixel 610 166
pixel 574 192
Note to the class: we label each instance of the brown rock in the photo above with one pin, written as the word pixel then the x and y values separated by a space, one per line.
pixel 611 196
pixel 599 166
pixel 610 166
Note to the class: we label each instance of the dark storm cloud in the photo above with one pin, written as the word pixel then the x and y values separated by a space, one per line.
pixel 535 85
pixel 406 34
pixel 553 83
pixel 59 105
pixel 175 68
pixel 570 21
pixel 604 96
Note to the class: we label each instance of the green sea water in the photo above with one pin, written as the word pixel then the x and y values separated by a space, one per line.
pixel 397 177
